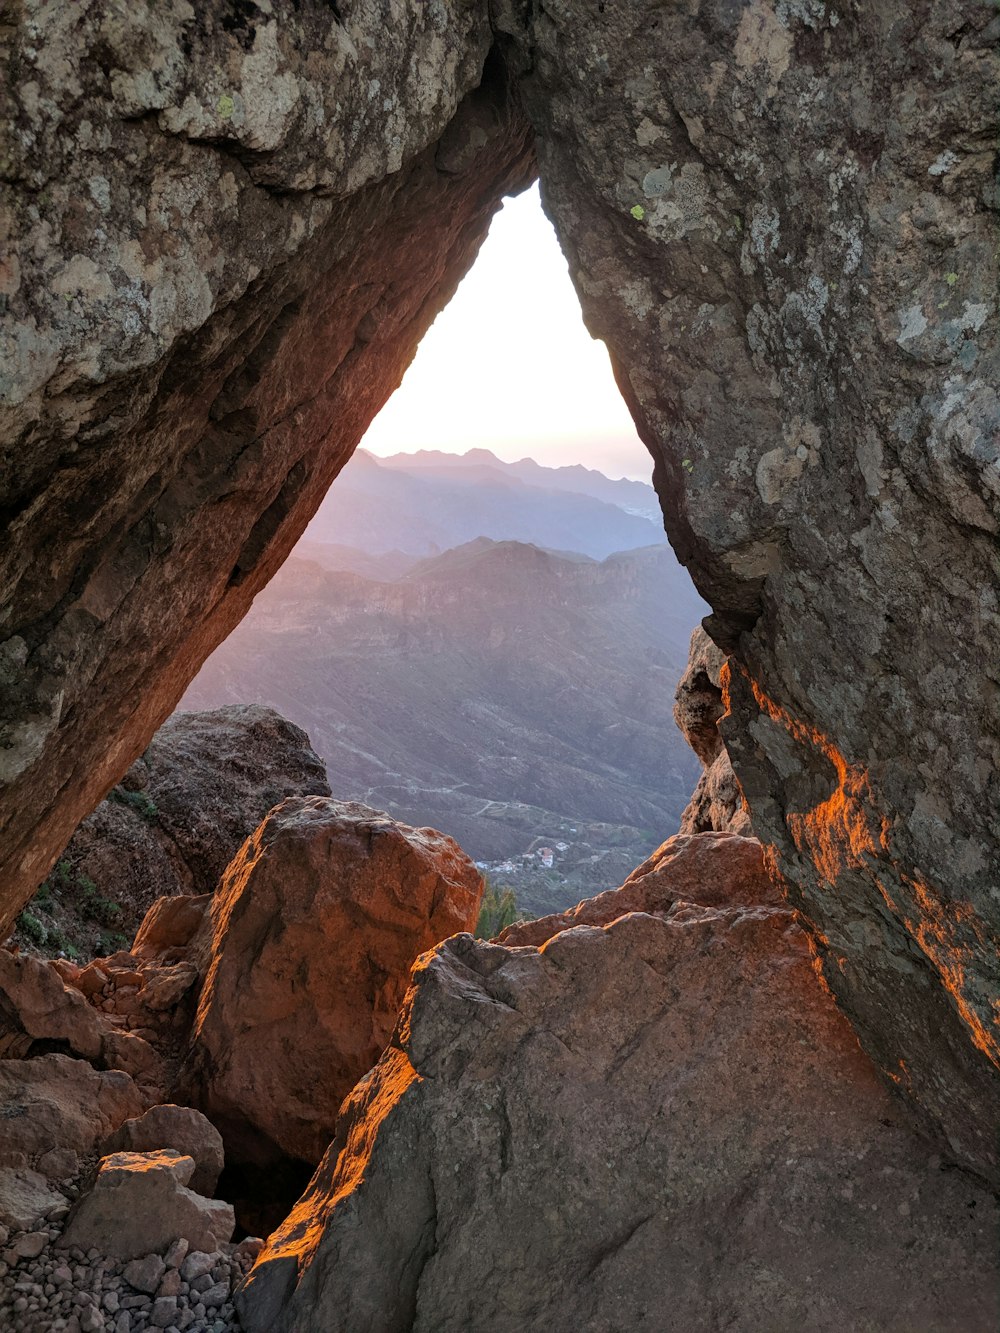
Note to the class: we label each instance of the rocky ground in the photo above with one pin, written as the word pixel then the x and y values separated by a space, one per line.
pixel 46 1287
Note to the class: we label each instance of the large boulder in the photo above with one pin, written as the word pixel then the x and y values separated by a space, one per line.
pixel 314 928
pixel 180 1128
pixel 717 802
pixel 140 1203
pixel 661 1123
pixel 54 1101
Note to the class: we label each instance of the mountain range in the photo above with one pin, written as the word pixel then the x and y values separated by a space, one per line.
pixel 511 696
pixel 423 503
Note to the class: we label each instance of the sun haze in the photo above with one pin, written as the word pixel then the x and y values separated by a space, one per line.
pixel 509 366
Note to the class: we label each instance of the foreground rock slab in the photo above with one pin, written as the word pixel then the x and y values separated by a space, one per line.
pixel 661 1123
pixel 181 1128
pixel 314 929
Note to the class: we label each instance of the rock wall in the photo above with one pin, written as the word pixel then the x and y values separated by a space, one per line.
pixel 782 218
pixel 226 236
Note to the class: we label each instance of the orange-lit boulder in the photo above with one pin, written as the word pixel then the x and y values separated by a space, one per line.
pixel 314 928
pixel 662 1124
pixel 710 869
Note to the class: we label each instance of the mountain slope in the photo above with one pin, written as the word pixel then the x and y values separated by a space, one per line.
pixel 499 692
pixel 380 505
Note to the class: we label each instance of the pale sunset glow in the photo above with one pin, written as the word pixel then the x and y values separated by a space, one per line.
pixel 509 366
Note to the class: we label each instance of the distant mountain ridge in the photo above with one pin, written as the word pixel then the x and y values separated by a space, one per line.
pixel 421 504
pixel 496 691
pixel 636 497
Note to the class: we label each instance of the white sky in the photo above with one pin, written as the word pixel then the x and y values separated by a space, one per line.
pixel 509 366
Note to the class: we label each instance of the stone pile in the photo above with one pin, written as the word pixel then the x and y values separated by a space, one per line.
pixel 48 1288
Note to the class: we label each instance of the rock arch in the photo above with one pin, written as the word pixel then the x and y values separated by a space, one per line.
pixel 780 216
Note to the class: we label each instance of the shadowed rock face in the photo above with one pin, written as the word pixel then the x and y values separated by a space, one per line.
pixel 228 236
pixel 782 219
pixel 717 803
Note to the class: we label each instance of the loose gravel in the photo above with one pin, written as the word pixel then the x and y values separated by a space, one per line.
pixel 47 1289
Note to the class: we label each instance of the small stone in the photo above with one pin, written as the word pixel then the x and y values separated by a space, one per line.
pixel 197 1264
pixel 31 1245
pixel 145 1274
pixel 171 1284
pixel 59 1164
pixel 215 1295
pixel 177 1253
pixel 163 1312
pixel 123 1324
pixel 110 1302
pixel 91 1320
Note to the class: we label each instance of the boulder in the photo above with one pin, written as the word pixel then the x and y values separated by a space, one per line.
pixel 173 824
pixel 37 1007
pixel 140 1204
pixel 314 928
pixel 710 869
pixel 170 923
pixel 181 1128
pixel 25 1197
pixel 656 1123
pixel 54 1101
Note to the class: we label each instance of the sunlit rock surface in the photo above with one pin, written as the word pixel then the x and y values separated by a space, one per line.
pixel 662 1123
pixel 717 802
pixel 782 217
pixel 313 931
pixel 226 233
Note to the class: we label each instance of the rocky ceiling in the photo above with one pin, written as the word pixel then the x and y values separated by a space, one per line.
pixel 228 231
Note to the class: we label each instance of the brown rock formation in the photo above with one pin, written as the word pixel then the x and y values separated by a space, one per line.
pixel 782 219
pixel 218 267
pixel 710 869
pixel 664 1123
pixel 55 1102
pixel 717 802
pixel 227 238
pixel 176 820
pixel 313 931
pixel 141 1204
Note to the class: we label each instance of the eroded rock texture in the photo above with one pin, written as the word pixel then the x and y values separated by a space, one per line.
pixel 717 802
pixel 782 219
pixel 662 1123
pixel 226 234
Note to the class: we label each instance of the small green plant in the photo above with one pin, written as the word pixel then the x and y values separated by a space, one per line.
pixel 138 801
pixel 30 925
pixel 109 942
pixel 638 212
pixel 43 899
pixel 497 911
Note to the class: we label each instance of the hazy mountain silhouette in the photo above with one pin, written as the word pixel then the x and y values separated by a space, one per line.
pixel 423 504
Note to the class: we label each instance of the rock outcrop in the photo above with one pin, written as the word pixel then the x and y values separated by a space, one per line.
pixel 710 869
pixel 313 930
pixel 717 802
pixel 227 236
pixel 664 1122
pixel 173 824
pixel 182 1129
pixel 782 220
